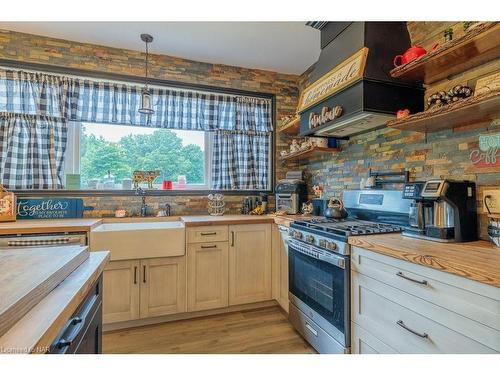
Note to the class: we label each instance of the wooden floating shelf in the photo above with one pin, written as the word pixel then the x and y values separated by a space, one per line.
pixel 475 47
pixel 473 110
pixel 310 153
pixel 292 128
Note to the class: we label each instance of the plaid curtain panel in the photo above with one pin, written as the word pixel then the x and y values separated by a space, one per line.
pixel 240 160
pixel 32 151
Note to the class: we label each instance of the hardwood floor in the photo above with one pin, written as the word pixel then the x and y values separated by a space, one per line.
pixel 262 331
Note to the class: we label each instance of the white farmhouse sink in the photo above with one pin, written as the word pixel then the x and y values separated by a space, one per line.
pixel 138 240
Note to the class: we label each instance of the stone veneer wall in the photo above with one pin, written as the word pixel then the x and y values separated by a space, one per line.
pixel 443 154
pixel 38 49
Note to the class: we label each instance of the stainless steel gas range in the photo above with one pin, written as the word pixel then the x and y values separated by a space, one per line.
pixel 319 265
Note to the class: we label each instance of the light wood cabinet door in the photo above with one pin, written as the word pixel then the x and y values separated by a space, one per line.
pixel 249 263
pixel 283 250
pixel 121 291
pixel 163 286
pixel 207 269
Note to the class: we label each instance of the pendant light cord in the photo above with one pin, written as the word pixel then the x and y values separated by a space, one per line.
pixel 147 54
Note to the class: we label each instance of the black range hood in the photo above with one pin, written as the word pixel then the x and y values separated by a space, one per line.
pixel 373 99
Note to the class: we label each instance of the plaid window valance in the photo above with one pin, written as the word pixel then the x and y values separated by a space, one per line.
pixel 30 102
pixel 78 99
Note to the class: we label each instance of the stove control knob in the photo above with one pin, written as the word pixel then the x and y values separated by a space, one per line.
pixel 310 238
pixel 331 245
pixel 297 234
pixel 322 243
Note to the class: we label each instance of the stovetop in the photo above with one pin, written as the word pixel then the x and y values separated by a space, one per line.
pixel 349 227
pixel 333 233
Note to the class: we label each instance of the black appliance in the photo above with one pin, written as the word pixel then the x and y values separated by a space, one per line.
pixel 442 210
pixel 319 265
pixel 82 333
pixel 290 194
pixel 371 101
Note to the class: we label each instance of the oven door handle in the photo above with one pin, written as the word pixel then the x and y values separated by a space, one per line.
pixel 331 258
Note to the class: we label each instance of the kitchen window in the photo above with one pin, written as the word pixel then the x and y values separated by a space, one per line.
pixel 71 132
pixel 105 157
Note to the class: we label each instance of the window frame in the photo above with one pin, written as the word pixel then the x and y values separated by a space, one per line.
pixel 126 78
pixel 73 157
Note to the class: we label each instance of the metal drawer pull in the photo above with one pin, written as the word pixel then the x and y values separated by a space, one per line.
pixel 209 246
pixel 422 335
pixel 77 321
pixel 144 274
pixel 421 282
pixel 314 332
pixel 135 275
pixel 208 233
pixel 232 238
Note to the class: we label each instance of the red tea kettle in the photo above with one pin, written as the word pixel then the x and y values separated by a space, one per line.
pixel 411 54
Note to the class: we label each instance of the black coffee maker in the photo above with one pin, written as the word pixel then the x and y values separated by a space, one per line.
pixel 442 210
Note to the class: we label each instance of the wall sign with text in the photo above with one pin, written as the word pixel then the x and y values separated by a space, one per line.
pixel 344 74
pixel 50 208
pixel 488 153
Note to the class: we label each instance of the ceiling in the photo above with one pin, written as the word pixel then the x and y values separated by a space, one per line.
pixel 286 47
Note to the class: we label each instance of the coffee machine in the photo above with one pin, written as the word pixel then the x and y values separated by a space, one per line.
pixel 442 210
pixel 291 192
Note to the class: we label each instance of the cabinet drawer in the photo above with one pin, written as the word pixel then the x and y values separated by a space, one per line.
pixel 207 234
pixel 385 312
pixel 363 342
pixel 465 297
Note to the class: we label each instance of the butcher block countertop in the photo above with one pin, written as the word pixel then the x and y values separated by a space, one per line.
pixel 478 260
pixel 48 226
pixel 286 220
pixel 28 275
pixel 39 327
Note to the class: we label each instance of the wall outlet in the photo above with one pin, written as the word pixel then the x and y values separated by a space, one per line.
pixel 493 202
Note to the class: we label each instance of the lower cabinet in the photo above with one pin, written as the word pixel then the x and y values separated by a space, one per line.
pixel 249 263
pixel 163 286
pixel 398 306
pixel 144 288
pixel 121 291
pixel 363 342
pixel 207 275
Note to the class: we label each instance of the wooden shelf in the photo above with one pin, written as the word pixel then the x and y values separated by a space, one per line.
pixel 473 110
pixel 474 48
pixel 310 153
pixel 292 128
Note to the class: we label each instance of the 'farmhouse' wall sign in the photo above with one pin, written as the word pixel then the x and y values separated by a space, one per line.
pixel 344 74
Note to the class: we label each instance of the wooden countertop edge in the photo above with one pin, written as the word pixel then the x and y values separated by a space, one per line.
pixel 39 327
pixel 198 221
pixel 49 226
pixel 439 263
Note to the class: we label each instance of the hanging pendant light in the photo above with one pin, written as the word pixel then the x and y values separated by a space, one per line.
pixel 145 94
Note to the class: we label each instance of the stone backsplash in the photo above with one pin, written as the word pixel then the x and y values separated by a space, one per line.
pixel 105 206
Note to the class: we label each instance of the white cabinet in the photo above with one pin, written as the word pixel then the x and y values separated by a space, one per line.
pixel 249 263
pixel 363 342
pixel 207 275
pixel 134 289
pixel 414 309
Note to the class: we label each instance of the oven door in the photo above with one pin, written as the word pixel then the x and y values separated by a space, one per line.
pixel 319 282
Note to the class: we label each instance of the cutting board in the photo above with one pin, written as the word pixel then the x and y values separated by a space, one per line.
pixel 28 275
